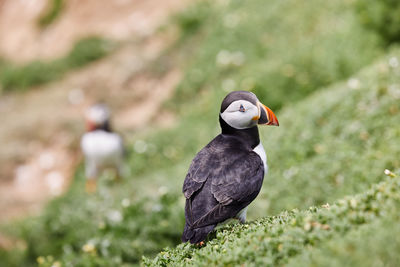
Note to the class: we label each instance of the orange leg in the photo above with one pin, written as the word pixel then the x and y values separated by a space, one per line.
pixel 200 244
pixel 90 186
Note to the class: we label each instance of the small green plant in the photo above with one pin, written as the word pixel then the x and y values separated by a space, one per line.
pixel 52 12
pixel 86 51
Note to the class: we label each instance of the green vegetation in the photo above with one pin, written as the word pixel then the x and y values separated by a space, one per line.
pixel 331 143
pixel 52 12
pixel 114 226
pixel 282 50
pixel 381 17
pixel 14 77
pixel 336 142
pixel 273 240
pixel 380 238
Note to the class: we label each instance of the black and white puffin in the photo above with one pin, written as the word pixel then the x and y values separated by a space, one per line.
pixel 101 147
pixel 227 174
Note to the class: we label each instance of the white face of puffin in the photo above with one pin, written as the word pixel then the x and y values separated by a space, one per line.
pixel 241 114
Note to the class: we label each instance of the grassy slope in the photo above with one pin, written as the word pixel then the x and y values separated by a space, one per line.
pixel 272 241
pixel 334 143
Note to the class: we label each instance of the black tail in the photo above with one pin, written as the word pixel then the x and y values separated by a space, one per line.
pixel 196 235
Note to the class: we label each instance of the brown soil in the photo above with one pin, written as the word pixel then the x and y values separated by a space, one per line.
pixel 23 40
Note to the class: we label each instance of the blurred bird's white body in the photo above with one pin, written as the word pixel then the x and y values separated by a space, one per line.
pixel 102 150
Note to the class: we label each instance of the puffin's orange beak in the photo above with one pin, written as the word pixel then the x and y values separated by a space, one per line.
pixel 267 117
pixel 90 126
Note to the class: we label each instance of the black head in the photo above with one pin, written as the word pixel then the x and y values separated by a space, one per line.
pixel 238 95
pixel 98 118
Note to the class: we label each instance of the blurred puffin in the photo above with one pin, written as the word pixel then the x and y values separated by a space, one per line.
pixel 227 174
pixel 101 147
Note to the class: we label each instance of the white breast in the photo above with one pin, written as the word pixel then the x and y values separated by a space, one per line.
pixel 102 147
pixel 259 149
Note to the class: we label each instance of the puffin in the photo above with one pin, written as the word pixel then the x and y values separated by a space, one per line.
pixel 227 174
pixel 102 148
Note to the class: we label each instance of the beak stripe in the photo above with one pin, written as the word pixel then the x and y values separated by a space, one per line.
pixel 267 116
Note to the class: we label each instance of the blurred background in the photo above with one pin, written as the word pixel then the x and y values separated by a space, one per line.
pixel 329 71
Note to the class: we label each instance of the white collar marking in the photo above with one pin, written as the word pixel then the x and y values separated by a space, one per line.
pixel 259 149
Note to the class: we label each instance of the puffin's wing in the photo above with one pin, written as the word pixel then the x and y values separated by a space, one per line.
pixel 239 182
pixel 235 188
pixel 197 174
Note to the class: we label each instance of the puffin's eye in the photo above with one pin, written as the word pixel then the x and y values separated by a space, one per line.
pixel 241 109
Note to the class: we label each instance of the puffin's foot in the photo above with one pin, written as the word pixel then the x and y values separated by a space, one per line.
pixel 90 186
pixel 200 244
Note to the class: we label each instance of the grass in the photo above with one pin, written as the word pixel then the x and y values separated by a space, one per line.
pixel 20 78
pixel 336 142
pixel 119 225
pixel 282 50
pixel 379 238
